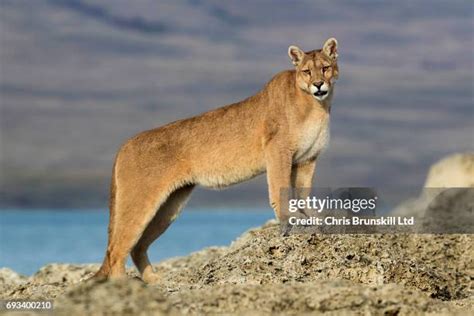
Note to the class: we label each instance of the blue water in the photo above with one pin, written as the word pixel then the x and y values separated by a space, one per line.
pixel 31 239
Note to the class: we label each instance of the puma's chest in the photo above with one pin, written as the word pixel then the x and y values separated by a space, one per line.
pixel 313 137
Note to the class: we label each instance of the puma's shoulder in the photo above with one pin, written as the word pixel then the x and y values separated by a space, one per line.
pixel 284 79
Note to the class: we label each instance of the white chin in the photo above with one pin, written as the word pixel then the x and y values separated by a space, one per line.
pixel 320 97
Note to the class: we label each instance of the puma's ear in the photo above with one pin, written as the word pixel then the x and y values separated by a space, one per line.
pixel 296 55
pixel 330 48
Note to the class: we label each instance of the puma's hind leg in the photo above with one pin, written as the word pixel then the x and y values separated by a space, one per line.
pixel 165 215
pixel 133 209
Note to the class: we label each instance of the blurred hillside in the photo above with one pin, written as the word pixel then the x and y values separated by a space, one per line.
pixel 79 77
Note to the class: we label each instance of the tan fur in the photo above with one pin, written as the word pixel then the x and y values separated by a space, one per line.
pixel 281 130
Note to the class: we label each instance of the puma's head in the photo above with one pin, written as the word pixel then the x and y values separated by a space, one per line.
pixel 316 70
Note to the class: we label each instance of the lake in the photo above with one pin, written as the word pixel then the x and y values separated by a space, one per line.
pixel 30 239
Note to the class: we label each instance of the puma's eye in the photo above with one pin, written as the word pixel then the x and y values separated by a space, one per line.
pixel 326 68
pixel 307 71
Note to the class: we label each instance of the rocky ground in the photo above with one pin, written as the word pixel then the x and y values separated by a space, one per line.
pixel 262 271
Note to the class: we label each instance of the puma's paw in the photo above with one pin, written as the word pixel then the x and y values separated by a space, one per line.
pixel 151 278
pixel 285 229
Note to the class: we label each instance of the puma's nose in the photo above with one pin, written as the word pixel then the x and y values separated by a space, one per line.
pixel 318 84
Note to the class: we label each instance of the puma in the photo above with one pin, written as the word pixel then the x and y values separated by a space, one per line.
pixel 281 130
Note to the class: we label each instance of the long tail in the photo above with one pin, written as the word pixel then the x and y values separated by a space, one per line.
pixel 105 267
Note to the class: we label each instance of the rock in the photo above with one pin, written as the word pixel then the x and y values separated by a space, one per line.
pixel 335 297
pixel 64 273
pixel 420 262
pixel 130 297
pixel 455 171
pixel 372 274
pixel 450 211
pixel 10 279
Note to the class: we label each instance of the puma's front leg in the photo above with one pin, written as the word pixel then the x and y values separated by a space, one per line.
pixel 302 178
pixel 278 163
